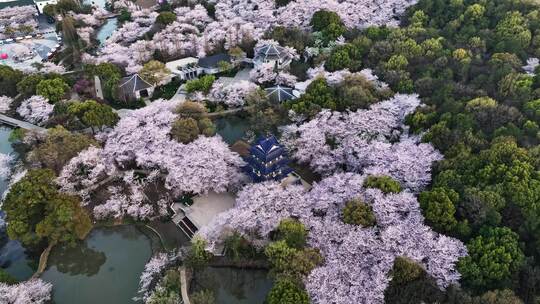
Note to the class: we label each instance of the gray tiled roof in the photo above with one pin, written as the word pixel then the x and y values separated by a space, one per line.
pixel 212 61
pixel 270 51
pixel 133 83
pixel 279 93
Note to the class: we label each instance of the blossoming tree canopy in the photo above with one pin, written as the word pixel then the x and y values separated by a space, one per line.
pixel 143 138
pixel 33 291
pixel 35 109
pixel 361 141
pixel 357 259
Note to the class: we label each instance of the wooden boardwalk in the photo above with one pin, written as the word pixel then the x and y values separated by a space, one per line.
pixel 19 123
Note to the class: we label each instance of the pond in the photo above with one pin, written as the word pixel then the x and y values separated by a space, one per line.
pixel 234 285
pixel 13 258
pixel 104 269
pixel 231 128
pixel 106 30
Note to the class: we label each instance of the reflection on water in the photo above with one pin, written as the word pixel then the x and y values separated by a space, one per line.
pixel 13 257
pixel 234 286
pixel 78 260
pixel 104 269
pixel 231 128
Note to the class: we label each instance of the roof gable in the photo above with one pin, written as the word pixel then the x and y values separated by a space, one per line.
pixel 133 83
pixel 279 93
pixel 270 51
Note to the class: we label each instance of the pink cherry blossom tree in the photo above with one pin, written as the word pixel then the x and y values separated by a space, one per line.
pixel 35 109
pixel 6 162
pixel 5 103
pixel 143 138
pixel 357 260
pixel 83 171
pixel 361 141
pixel 232 95
pixel 33 291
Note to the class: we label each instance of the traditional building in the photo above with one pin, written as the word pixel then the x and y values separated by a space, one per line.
pixel 272 53
pixel 211 64
pixel 42 3
pixel 184 69
pixel 134 87
pixel 190 68
pixel 267 160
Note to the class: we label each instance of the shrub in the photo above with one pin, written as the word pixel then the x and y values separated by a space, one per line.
pixel 287 292
pixel 358 213
pixel 384 183
pixel 198 257
pixel 203 84
pixel 292 232
pixel 165 18
pixel 205 296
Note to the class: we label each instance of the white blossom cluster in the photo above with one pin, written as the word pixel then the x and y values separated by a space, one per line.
pixel 35 109
pixel 94 19
pixel 195 33
pixel 143 137
pixel 357 260
pixel 6 161
pixel 127 197
pixel 85 33
pixel 335 78
pixel 5 103
pixel 84 171
pixel 354 13
pixel 532 64
pixel 51 67
pixel 232 95
pixel 33 291
pixel 155 266
pixel 361 141
pixel 266 73
pixel 120 205
pixel 16 16
pixel 124 48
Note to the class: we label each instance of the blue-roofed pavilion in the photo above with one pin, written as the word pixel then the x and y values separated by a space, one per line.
pixel 267 160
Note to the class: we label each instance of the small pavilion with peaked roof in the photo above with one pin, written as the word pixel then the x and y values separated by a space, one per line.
pixel 134 87
pixel 279 94
pixel 272 53
pixel 267 160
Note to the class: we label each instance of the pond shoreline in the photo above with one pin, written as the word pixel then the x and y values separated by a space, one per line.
pixel 110 260
pixel 44 256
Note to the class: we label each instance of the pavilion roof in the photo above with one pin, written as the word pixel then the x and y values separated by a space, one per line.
pixel 133 83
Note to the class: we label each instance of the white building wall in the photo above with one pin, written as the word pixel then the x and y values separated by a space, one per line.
pixel 41 4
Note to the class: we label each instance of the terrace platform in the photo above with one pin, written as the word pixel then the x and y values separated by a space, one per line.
pixel 204 208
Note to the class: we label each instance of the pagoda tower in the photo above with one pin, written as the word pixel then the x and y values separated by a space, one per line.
pixel 267 160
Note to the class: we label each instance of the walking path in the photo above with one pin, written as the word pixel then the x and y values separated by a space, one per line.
pixel 180 95
pixel 184 285
pixel 19 123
